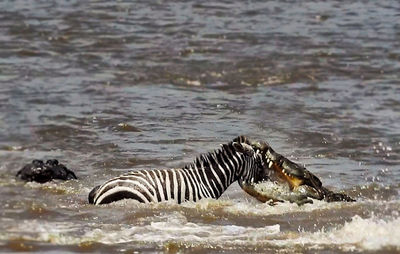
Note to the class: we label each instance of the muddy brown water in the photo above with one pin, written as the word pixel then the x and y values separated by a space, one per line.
pixel 107 87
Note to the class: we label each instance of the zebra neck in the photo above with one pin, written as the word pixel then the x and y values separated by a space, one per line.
pixel 216 171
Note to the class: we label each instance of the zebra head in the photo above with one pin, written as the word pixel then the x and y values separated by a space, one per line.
pixel 255 169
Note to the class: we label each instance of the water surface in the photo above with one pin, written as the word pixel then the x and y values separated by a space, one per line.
pixel 108 87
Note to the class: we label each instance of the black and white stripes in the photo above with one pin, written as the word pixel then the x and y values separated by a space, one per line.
pixel 207 177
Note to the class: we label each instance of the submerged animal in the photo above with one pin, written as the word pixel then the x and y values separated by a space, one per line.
pixel 40 172
pixel 248 162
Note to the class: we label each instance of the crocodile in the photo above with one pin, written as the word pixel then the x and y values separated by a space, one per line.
pixel 286 180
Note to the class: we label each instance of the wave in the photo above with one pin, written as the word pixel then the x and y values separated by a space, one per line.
pixel 371 233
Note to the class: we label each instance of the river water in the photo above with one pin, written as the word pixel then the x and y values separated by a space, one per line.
pixel 108 87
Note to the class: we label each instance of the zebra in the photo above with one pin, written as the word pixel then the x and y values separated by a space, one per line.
pixel 208 176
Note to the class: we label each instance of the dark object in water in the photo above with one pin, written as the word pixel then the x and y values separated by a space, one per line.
pixel 40 172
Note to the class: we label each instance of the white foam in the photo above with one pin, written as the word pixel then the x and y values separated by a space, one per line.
pixel 359 234
pixel 171 227
pixel 366 234
pixel 239 207
pixel 175 227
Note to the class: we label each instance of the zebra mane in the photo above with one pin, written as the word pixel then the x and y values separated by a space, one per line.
pixel 210 156
pixel 243 139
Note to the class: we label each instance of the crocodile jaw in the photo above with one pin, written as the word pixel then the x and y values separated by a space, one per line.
pixel 281 169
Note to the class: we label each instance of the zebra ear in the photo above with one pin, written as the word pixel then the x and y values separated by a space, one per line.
pixel 243 148
pixel 242 139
